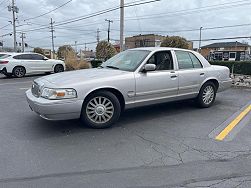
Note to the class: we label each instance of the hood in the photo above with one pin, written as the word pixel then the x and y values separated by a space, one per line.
pixel 71 77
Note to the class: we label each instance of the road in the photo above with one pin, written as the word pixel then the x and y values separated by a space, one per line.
pixel 167 145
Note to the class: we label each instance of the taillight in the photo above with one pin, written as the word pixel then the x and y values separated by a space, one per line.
pixel 4 62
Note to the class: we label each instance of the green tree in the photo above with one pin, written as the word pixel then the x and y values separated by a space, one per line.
pixel 38 50
pixel 105 50
pixel 64 51
pixel 175 42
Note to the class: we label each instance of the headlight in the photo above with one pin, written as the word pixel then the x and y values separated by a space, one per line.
pixel 58 93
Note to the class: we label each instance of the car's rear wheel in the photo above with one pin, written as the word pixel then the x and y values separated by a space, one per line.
pixel 207 95
pixel 19 72
pixel 101 110
pixel 58 68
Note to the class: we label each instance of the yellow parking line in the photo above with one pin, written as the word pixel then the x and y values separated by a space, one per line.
pixel 230 126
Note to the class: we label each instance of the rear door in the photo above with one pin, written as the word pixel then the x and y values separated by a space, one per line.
pixel 40 64
pixel 191 72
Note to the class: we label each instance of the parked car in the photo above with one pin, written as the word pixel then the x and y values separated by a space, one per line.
pixel 20 64
pixel 133 78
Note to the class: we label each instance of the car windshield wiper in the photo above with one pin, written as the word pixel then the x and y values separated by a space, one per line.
pixel 100 66
pixel 112 67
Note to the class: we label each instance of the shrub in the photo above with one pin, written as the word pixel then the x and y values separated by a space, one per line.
pixel 96 63
pixel 83 65
pixel 71 64
pixel 238 67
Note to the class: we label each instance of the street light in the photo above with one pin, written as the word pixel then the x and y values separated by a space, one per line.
pixel 200 39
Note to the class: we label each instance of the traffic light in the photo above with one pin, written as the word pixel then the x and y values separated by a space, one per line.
pixel 26 45
pixel 1 43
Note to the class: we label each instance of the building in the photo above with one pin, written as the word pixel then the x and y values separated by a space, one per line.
pixel 226 51
pixel 87 55
pixel 48 53
pixel 149 40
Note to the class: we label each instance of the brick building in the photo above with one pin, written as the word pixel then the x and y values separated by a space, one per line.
pixel 149 40
pixel 226 51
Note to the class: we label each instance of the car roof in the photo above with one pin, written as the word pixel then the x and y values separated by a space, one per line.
pixel 158 48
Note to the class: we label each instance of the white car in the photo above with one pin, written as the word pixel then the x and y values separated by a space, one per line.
pixel 20 64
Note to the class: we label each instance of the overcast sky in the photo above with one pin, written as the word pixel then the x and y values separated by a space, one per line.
pixel 158 17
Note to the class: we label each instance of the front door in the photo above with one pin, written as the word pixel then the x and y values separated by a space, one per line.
pixel 159 84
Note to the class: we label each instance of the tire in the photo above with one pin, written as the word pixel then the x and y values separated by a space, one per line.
pixel 19 72
pixel 100 110
pixel 58 68
pixel 206 95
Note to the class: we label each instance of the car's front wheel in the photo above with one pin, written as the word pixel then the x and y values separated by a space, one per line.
pixel 19 72
pixel 58 68
pixel 207 95
pixel 101 110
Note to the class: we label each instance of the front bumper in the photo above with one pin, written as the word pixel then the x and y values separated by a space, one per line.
pixel 55 109
pixel 224 85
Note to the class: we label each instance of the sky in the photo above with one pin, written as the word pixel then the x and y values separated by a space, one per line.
pixel 165 17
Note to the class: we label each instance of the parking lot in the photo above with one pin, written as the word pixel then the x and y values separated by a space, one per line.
pixel 167 145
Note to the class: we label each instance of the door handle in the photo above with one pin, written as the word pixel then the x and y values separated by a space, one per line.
pixel 202 74
pixel 174 76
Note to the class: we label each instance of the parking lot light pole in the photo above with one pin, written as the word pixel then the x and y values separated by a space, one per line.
pixel 200 39
pixel 121 25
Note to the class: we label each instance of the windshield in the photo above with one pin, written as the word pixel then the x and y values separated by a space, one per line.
pixel 128 60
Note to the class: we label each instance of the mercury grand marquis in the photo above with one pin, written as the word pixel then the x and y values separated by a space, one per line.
pixel 133 78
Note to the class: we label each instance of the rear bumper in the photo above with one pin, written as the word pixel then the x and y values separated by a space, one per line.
pixel 54 109
pixel 224 85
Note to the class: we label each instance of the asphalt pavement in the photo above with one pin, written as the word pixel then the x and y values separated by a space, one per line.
pixel 167 145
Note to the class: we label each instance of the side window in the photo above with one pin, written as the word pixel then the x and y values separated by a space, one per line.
pixel 23 56
pixel 37 57
pixel 184 60
pixel 196 62
pixel 162 60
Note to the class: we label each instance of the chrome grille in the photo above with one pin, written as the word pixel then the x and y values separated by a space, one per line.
pixel 35 89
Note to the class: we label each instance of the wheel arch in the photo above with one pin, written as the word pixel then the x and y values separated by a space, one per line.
pixel 114 91
pixel 19 66
pixel 213 80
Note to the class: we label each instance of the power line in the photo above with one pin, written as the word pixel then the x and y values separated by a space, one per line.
pixel 93 15
pixel 224 38
pixel 190 11
pixel 103 12
pixel 32 18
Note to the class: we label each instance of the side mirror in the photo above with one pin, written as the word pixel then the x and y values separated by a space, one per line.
pixel 149 67
pixel 45 58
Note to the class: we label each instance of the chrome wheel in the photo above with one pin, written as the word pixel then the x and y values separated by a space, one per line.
pixel 100 110
pixel 19 72
pixel 208 95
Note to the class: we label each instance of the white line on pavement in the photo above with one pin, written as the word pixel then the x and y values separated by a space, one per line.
pixel 24 88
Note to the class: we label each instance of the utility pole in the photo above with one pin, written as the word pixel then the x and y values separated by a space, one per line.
pixel 109 28
pixel 85 47
pixel 76 48
pixel 121 25
pixel 14 10
pixel 52 38
pixel 98 38
pixel 200 39
pixel 22 37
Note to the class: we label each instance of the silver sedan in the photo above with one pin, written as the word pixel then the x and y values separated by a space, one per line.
pixel 133 78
